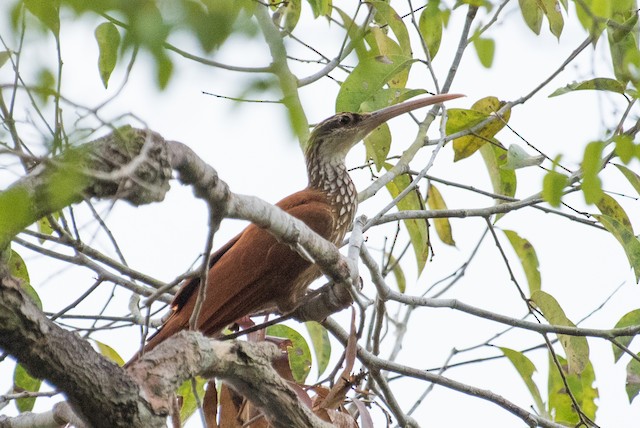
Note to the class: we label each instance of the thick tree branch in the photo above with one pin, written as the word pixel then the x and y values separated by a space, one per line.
pixel 244 366
pixel 99 391
pixel 135 165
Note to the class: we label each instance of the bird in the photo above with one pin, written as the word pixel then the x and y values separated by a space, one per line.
pixel 254 271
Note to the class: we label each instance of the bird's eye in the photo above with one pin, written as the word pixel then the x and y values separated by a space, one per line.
pixel 344 119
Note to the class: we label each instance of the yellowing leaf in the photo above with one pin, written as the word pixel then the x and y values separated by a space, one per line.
pixel 528 259
pixel 398 273
pixel 459 119
pixel 626 238
pixel 560 403
pixel 609 206
pixel 417 228
pixel 576 348
pixel 503 180
pixel 525 369
pixel 465 146
pixel 109 352
pixel 435 201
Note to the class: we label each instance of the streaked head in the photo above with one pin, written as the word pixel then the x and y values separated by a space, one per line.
pixel 336 135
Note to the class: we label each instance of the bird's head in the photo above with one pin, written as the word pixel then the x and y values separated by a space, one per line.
pixel 335 136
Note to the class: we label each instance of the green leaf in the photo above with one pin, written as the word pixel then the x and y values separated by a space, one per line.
pixel 435 201
pixel 46 84
pixel 47 11
pixel 631 176
pixel 626 238
pixel 430 25
pixel 367 79
pixel 503 180
pixel 622 30
pixel 213 21
pixel 299 353
pixel 486 49
pixel 575 347
pixel 417 228
pixel 465 146
pixel 525 369
pixel 23 381
pixel 189 401
pixel 384 48
pixel 581 385
pixel 518 158
pixel 164 69
pixel 551 9
pixel 632 385
pixel 624 56
pixel 610 207
pixel 108 39
pixel 532 14
pixel 355 33
pixel 107 351
pixel 585 13
pixel 44 227
pixel 320 7
pixel 553 186
pixel 597 84
pixel 18 269
pixel 389 96
pixel 625 149
pixel 378 144
pixel 287 14
pixel 4 57
pixel 395 22
pixel 528 259
pixel 321 344
pixel 628 320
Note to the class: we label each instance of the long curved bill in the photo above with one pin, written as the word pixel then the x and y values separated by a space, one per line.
pixel 376 118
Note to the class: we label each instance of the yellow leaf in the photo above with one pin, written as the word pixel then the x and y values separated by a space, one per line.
pixel 443 226
pixel 464 147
